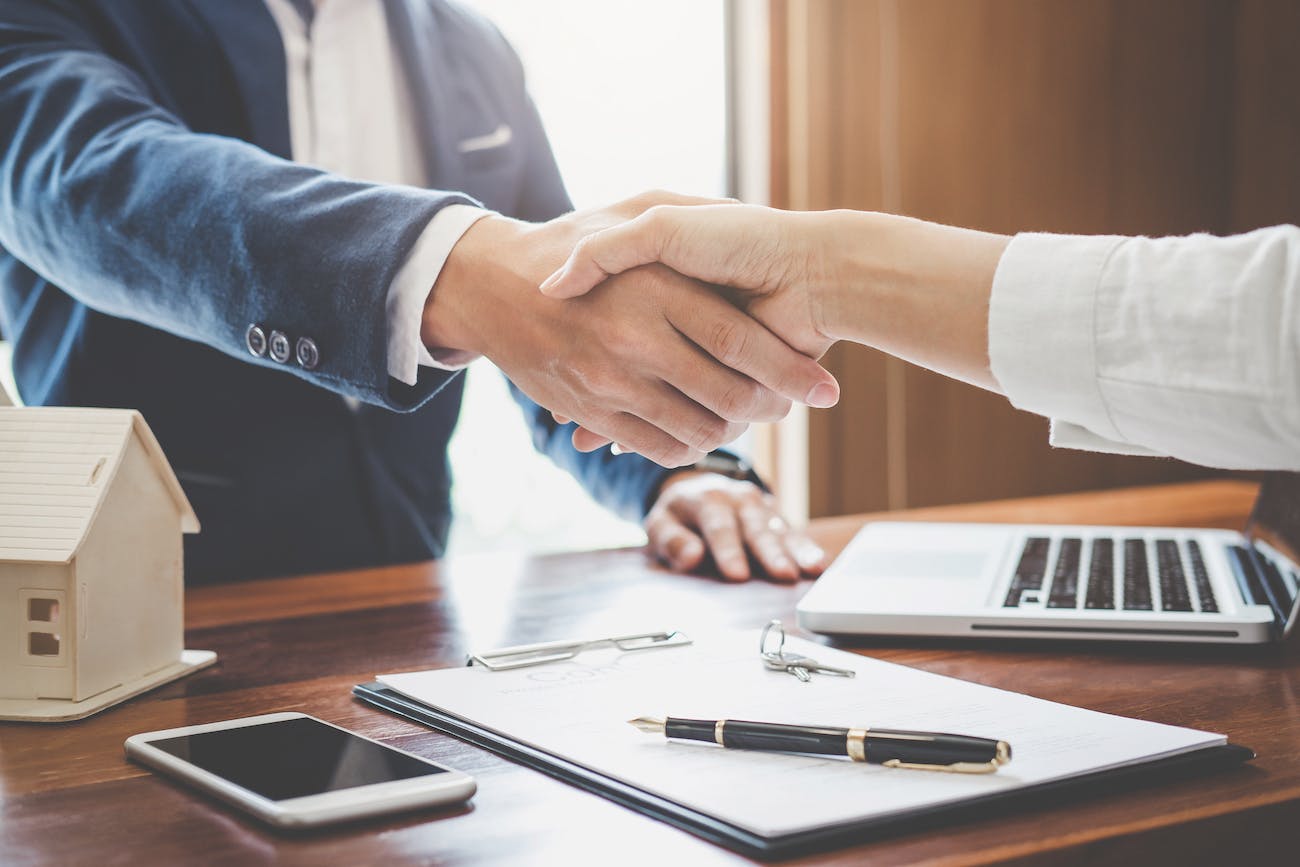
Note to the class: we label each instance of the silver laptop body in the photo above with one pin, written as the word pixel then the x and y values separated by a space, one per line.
pixel 1070 582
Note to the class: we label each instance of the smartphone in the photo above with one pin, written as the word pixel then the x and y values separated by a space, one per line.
pixel 295 771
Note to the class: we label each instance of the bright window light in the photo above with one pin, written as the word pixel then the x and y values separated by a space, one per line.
pixel 633 96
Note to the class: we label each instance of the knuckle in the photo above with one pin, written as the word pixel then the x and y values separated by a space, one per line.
pixel 741 401
pixel 657 216
pixel 600 381
pixel 680 454
pixel 629 338
pixel 729 342
pixel 771 406
pixel 710 433
pixel 583 249
pixel 660 451
pixel 648 199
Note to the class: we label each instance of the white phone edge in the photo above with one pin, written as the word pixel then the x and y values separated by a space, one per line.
pixel 311 811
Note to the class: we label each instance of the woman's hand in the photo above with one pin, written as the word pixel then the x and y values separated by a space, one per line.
pixel 771 261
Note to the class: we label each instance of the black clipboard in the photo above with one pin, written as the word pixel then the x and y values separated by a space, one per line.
pixel 821 839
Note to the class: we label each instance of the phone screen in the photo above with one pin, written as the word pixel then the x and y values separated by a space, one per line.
pixel 294 758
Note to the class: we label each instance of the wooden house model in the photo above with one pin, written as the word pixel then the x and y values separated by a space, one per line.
pixel 91 580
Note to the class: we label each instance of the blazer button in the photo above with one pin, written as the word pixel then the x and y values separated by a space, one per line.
pixel 308 354
pixel 255 338
pixel 279 347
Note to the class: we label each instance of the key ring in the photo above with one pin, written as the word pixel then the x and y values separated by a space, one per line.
pixel 779 653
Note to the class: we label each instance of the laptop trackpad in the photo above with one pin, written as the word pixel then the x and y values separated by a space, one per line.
pixel 916 579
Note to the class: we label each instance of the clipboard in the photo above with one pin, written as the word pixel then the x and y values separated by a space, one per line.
pixel 772 848
pixel 793 842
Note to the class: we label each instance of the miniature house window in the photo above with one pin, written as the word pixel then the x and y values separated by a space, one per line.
pixel 42 644
pixel 43 610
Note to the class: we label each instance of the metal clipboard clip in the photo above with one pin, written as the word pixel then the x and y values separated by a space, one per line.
pixel 506 658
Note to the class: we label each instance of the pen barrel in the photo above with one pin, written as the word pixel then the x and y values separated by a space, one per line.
pixel 690 729
pixel 745 735
pixel 820 740
pixel 926 748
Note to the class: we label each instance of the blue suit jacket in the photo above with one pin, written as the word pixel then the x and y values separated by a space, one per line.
pixel 149 214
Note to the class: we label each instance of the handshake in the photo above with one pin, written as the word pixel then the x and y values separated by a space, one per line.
pixel 668 360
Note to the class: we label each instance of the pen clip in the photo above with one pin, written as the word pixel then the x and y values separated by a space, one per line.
pixel 523 655
pixel 1000 758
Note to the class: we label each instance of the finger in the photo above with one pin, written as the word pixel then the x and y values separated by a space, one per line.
pixel 673 543
pixel 653 236
pixel 643 202
pixel 677 415
pixel 718 388
pixel 764 531
pixel 643 438
pixel 716 521
pixel 560 419
pixel 743 344
pixel 807 553
pixel 586 441
pixel 605 253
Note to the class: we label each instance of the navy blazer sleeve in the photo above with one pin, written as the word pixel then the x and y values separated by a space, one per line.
pixel 108 195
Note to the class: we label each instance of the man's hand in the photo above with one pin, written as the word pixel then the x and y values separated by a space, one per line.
pixel 703 514
pixel 654 361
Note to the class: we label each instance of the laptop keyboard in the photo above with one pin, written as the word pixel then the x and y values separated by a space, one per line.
pixel 1101 575
pixel 1137 579
pixel 1065 579
pixel 1178 569
pixel 1028 579
pixel 1263 578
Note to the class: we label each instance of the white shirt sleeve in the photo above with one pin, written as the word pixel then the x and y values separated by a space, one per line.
pixel 1184 347
pixel 410 289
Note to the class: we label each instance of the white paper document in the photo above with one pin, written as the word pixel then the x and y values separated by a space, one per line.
pixel 579 710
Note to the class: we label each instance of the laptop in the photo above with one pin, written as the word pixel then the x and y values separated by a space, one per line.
pixel 1070 582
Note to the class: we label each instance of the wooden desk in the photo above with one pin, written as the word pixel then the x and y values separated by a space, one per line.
pixel 67 795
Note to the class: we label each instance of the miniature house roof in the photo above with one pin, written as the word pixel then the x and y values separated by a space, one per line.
pixel 56 467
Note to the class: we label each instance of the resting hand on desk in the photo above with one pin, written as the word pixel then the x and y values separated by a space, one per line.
pixel 700 514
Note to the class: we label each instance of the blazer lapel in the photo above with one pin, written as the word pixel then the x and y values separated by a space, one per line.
pixel 251 41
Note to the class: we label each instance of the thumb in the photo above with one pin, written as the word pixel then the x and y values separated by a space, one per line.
pixel 608 252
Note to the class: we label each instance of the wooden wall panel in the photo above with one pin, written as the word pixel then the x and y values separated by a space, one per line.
pixel 1266 114
pixel 1124 116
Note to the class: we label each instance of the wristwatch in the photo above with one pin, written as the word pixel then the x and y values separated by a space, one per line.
pixel 727 464
pixel 722 463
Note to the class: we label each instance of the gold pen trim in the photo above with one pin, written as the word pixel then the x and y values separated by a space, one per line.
pixel 856 744
pixel 718 728
pixel 1002 755
pixel 954 768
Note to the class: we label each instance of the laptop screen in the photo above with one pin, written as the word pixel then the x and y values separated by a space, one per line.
pixel 1274 531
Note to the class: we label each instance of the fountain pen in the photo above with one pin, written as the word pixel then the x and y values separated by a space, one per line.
pixel 929 751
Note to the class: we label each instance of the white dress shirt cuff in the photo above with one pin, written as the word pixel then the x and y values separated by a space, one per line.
pixel 1042 335
pixel 1065 435
pixel 410 290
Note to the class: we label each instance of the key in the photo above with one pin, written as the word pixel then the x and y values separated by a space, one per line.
pixel 802 667
pixel 817 668
pixel 789 663
pixel 812 666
